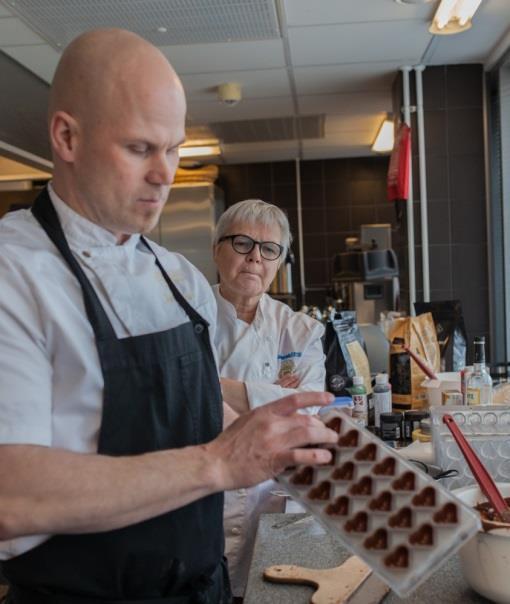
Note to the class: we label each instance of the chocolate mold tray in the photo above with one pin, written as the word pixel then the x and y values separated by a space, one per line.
pixel 488 431
pixel 384 509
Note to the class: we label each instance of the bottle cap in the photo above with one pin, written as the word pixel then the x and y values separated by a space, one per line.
pixel 357 380
pixel 381 378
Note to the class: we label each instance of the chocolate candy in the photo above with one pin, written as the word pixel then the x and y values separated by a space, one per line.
pixel 349 440
pixel 320 492
pixel 398 559
pixel 385 468
pixel 382 503
pixel 339 507
pixel 335 424
pixel 423 536
pixel 363 487
pixel 425 498
pixel 402 519
pixel 344 472
pixel 406 482
pixel 379 540
pixel 357 524
pixel 367 453
pixel 447 514
pixel 303 476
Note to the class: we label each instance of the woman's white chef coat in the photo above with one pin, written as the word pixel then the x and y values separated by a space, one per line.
pixel 51 382
pixel 279 341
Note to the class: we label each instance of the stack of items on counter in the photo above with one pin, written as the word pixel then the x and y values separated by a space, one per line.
pixel 395 406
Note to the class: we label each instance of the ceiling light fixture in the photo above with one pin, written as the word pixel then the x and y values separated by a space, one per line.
pixel 385 137
pixel 200 151
pixel 453 16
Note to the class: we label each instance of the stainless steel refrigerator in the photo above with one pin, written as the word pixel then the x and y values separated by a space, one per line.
pixel 187 224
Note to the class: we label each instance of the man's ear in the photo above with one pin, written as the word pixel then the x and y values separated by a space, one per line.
pixel 64 135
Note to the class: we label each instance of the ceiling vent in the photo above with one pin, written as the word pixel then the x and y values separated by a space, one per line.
pixel 162 22
pixel 275 129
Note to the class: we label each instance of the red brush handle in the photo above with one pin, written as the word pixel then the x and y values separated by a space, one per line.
pixel 421 364
pixel 483 477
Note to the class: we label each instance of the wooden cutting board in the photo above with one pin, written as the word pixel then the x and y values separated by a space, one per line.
pixel 351 583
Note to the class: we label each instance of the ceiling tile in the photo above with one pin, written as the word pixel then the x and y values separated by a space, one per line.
pixel 275 151
pixel 350 77
pixel 351 123
pixel 353 103
pixel 305 12
pixel 206 111
pixel 14 32
pixel 254 84
pixel 202 58
pixel 358 42
pixel 39 59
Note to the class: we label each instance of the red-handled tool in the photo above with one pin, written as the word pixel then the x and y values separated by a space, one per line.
pixel 421 364
pixel 484 479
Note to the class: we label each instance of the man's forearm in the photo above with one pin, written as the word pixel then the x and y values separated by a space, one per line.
pixel 55 491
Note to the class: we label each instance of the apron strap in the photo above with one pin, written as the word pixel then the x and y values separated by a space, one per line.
pixel 47 217
pixel 193 315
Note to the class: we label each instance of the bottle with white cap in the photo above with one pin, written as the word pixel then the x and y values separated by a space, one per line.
pixel 381 398
pixel 360 401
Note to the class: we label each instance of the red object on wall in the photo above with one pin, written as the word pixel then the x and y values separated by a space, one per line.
pixel 398 172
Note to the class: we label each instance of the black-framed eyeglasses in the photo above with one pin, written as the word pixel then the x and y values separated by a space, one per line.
pixel 242 244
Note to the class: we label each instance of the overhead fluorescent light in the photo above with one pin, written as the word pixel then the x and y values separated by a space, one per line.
pixel 385 137
pixel 201 151
pixel 454 16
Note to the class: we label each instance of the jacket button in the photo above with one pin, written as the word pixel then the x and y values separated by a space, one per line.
pixel 236 530
pixel 199 328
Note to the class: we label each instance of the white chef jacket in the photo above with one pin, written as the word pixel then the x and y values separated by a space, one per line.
pixel 51 385
pixel 278 341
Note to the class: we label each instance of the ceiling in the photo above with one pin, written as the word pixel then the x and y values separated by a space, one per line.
pixel 328 64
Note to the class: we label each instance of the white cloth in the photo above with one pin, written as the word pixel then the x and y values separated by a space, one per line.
pixel 277 341
pixel 51 382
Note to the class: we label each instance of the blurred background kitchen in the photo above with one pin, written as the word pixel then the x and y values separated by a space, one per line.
pixel 286 99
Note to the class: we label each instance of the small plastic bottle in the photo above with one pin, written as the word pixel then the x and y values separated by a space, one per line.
pixel 381 398
pixel 360 401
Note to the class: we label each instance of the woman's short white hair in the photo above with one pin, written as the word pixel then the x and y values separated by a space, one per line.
pixel 255 211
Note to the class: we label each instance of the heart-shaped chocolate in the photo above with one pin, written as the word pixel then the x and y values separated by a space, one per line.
pixel 423 536
pixel 321 491
pixel 339 507
pixel 343 472
pixel 447 514
pixel 382 503
pixel 385 468
pixel 349 440
pixel 367 453
pixel 304 476
pixel 425 498
pixel 357 524
pixel 378 540
pixel 406 482
pixel 402 519
pixel 363 487
pixel 335 424
pixel 398 558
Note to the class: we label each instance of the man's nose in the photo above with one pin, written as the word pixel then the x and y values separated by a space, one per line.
pixel 162 171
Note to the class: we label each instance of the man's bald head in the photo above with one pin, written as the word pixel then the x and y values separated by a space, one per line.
pixel 99 67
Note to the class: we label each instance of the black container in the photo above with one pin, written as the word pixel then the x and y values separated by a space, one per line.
pixel 391 427
pixel 412 421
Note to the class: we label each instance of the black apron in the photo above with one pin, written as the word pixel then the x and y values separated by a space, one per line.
pixel 161 391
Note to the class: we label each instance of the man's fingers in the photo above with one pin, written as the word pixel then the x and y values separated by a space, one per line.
pixel 290 404
pixel 297 457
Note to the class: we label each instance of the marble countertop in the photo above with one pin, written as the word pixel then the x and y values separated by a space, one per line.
pixel 299 539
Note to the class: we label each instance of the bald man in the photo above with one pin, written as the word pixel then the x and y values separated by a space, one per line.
pixel 112 455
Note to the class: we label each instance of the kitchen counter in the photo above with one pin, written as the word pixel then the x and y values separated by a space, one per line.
pixel 299 539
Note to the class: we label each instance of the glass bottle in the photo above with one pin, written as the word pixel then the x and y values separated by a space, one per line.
pixel 479 386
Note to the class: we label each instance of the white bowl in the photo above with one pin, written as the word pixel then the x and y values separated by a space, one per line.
pixel 485 559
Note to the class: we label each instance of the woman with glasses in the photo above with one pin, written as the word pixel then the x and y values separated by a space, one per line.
pixel 265 349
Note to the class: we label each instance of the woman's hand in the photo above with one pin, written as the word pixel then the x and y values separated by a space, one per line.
pixel 289 380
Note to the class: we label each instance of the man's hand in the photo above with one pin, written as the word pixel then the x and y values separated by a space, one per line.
pixel 290 380
pixel 261 444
